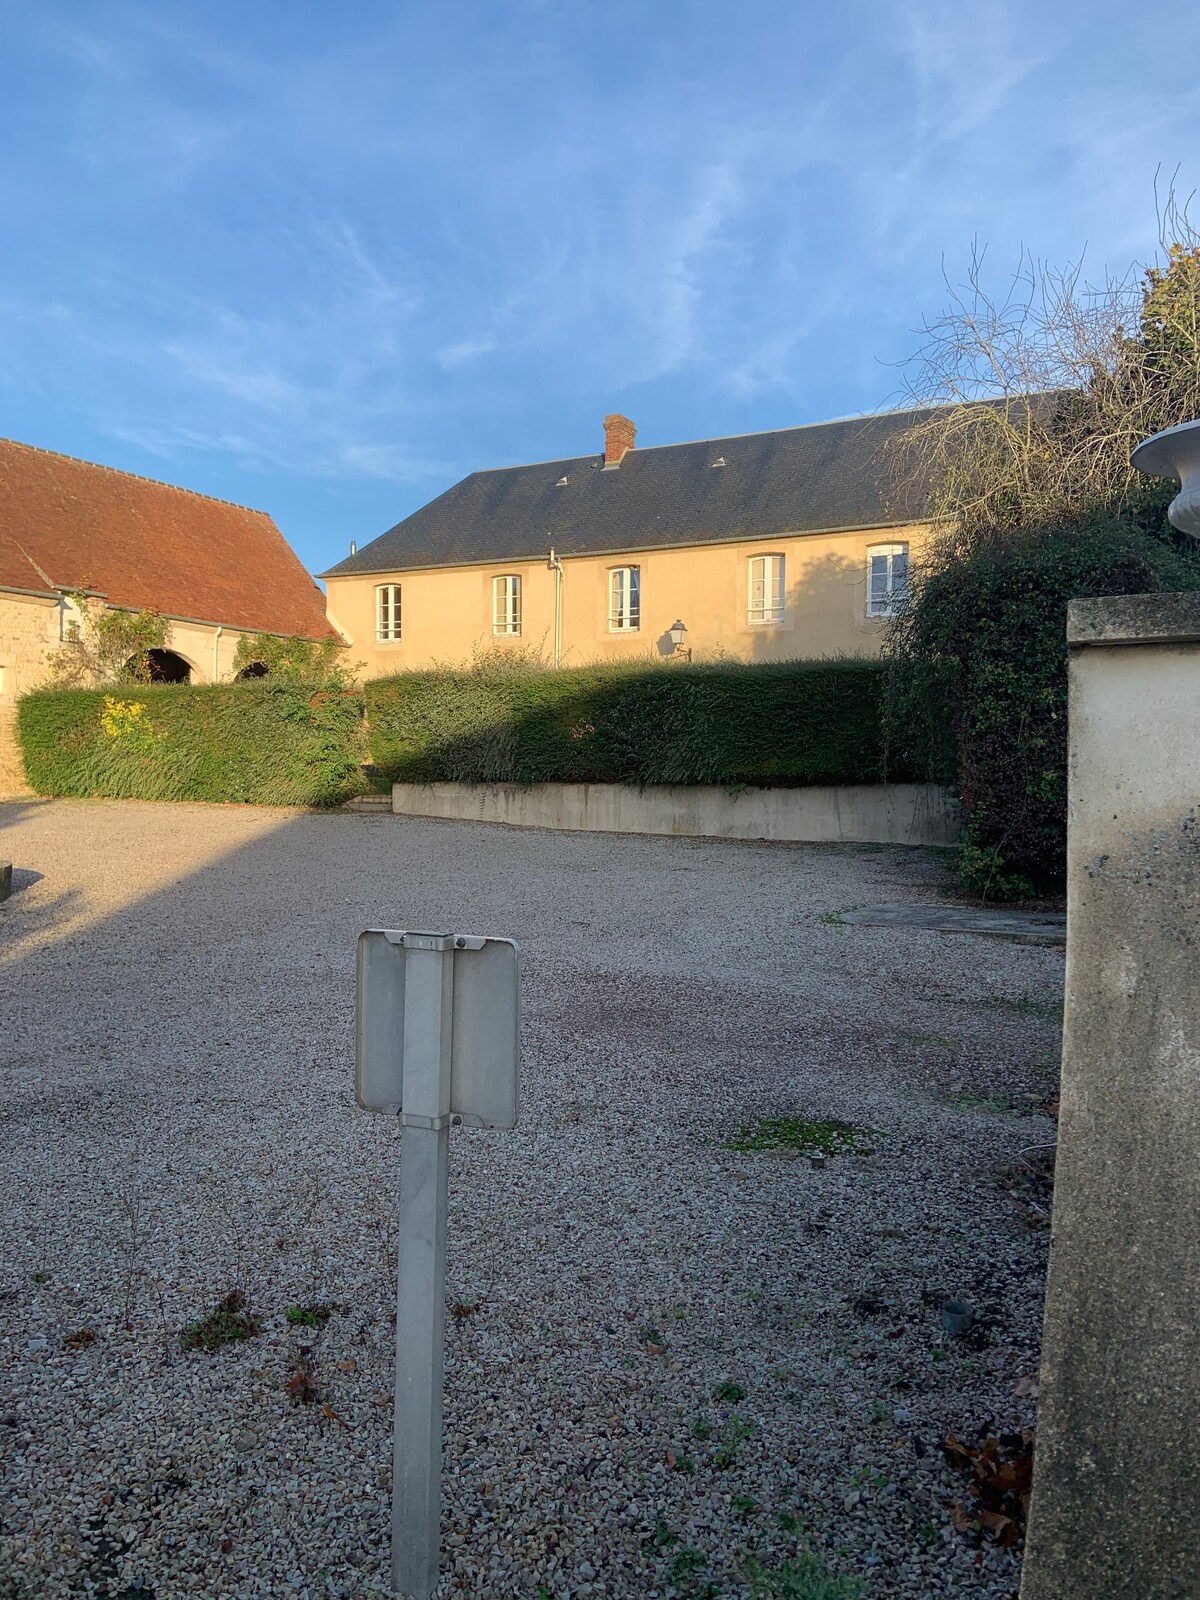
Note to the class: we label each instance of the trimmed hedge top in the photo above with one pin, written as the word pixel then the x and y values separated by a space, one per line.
pixel 259 742
pixel 783 723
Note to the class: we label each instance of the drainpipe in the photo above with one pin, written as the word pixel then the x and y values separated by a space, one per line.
pixel 557 567
pixel 216 642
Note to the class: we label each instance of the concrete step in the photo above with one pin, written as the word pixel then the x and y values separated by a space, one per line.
pixel 369 802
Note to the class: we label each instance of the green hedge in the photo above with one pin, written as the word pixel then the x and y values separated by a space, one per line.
pixel 981 655
pixel 263 743
pixel 787 723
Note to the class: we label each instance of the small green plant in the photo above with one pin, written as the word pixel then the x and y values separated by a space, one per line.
pixel 968 1100
pixel 685 1563
pixel 227 1323
pixel 312 1316
pixel 663 1536
pixel 684 1464
pixel 797 1133
pixel 744 1504
pixel 701 1429
pixel 729 1392
pixel 805 1578
pixel 39 1277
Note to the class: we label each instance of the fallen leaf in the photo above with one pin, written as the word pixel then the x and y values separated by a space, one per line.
pixel 348 1366
pixel 1026 1387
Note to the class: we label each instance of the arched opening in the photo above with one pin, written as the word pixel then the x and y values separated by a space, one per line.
pixel 159 666
pixel 254 669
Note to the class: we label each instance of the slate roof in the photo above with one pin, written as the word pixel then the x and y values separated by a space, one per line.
pixel 69 524
pixel 828 476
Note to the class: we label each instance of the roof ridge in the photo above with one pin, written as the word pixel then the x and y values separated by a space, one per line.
pixel 719 438
pixel 140 477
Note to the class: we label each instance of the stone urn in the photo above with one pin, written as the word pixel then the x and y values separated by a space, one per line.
pixel 1175 453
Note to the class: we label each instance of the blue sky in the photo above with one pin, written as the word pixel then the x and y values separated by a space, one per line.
pixel 324 261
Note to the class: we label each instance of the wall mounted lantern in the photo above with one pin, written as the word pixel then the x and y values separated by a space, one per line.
pixel 678 634
pixel 1175 453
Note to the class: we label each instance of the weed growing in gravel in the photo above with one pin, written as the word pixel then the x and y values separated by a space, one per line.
pixel 314 1316
pixel 732 1435
pixel 461 1309
pixel 80 1339
pixel 966 1099
pixel 1023 1004
pixel 797 1133
pixel 744 1504
pixel 806 1578
pixel 684 1563
pixel 39 1277
pixel 729 1392
pixel 226 1323
pixel 701 1429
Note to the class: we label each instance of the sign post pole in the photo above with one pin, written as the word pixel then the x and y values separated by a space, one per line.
pixel 421 1276
pixel 438 1037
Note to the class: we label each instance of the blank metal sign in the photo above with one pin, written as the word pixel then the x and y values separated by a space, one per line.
pixel 485 1029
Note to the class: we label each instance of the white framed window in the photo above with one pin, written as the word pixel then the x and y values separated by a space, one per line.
pixel 387 612
pixel 766 589
pixel 887 579
pixel 624 599
pixel 506 605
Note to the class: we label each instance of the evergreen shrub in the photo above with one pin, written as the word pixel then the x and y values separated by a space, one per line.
pixel 980 686
pixel 258 742
pixel 503 721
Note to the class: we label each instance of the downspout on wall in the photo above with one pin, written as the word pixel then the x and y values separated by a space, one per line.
pixel 556 567
pixel 216 642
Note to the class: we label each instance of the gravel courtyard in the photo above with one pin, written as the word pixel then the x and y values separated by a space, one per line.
pixel 668 1359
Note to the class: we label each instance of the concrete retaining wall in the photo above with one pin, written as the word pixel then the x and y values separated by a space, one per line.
pixel 900 813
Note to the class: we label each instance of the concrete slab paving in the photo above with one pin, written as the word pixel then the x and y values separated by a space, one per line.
pixel 1040 927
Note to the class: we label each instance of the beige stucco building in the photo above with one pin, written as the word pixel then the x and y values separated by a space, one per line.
pixel 763 546
pixel 215 571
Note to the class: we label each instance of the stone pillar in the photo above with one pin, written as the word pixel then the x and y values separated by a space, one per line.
pixel 1116 1488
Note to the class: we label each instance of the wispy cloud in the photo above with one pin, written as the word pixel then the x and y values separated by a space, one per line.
pixel 374 249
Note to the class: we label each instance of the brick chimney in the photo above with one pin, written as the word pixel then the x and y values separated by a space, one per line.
pixel 619 434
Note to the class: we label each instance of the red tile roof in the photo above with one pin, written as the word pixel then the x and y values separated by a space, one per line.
pixel 68 524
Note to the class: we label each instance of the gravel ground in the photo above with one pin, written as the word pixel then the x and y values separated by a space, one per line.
pixel 666 1358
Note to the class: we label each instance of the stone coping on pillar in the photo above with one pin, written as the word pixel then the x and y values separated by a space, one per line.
pixel 1135 619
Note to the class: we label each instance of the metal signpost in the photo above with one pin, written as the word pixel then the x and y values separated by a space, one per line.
pixel 437 1040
